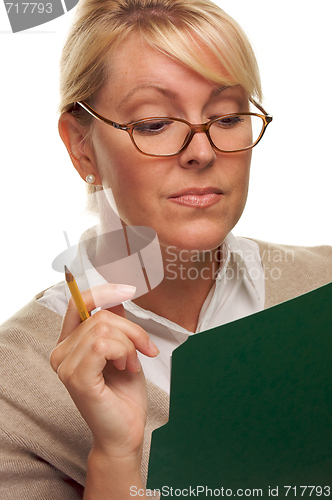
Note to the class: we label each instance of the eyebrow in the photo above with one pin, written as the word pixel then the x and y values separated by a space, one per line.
pixel 165 92
pixel 221 89
pixel 170 93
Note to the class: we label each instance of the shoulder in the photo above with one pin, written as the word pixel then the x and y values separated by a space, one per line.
pixel 42 434
pixel 33 321
pixel 290 271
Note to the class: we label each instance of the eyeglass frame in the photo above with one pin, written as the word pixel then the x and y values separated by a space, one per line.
pixel 203 127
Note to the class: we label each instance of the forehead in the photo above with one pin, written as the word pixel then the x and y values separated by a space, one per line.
pixel 135 50
pixel 136 66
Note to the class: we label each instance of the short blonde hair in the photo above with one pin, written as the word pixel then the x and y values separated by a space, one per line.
pixel 101 25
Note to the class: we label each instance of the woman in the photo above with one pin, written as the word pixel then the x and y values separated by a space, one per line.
pixel 124 62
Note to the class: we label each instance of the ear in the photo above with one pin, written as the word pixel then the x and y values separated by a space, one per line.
pixel 80 151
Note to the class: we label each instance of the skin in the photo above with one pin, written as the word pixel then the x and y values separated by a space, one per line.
pixel 97 359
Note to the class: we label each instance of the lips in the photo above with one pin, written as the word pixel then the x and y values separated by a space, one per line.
pixel 197 197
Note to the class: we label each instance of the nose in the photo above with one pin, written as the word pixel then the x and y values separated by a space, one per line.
pixel 199 152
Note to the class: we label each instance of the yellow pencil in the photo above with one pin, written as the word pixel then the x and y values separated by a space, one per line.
pixel 76 294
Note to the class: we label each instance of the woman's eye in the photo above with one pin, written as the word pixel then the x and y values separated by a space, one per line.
pixel 150 127
pixel 229 121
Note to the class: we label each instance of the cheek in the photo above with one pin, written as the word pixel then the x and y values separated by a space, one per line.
pixel 126 173
pixel 246 173
pixel 125 185
pixel 114 158
pixel 239 172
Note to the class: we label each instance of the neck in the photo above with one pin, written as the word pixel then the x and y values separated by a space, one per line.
pixel 188 278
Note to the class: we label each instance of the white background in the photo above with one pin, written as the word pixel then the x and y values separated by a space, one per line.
pixel 289 200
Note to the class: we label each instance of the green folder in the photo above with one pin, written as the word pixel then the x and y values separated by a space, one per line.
pixel 251 407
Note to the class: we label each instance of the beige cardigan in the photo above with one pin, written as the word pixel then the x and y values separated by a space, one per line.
pixel 44 441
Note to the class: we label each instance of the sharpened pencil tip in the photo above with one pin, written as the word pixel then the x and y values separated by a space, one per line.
pixel 69 276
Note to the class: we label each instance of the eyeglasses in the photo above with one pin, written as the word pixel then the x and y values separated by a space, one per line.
pixel 165 136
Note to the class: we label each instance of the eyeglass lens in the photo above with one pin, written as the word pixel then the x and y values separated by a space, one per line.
pixel 166 137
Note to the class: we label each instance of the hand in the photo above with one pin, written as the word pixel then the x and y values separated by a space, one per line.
pixel 97 362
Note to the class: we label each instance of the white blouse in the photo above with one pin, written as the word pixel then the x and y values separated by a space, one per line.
pixel 237 292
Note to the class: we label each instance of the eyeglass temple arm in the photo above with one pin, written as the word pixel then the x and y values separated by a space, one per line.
pixel 94 113
pixel 262 110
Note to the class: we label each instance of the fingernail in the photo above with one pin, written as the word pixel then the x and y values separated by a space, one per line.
pixel 137 365
pixel 126 289
pixel 153 348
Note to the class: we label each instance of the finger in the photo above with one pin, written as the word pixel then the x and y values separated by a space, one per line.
pixel 137 335
pixel 104 296
pixel 95 339
pixel 105 323
pixel 94 359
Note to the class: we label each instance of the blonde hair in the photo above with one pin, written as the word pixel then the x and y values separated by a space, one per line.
pixel 100 26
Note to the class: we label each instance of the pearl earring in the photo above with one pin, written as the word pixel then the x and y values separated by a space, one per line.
pixel 90 179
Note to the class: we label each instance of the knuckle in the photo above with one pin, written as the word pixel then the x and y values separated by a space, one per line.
pixel 99 346
pixel 102 315
pixel 101 328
